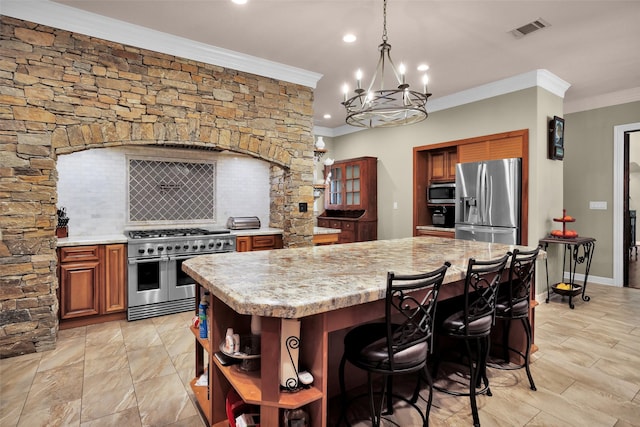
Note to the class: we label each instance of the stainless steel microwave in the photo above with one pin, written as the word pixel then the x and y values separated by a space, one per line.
pixel 442 193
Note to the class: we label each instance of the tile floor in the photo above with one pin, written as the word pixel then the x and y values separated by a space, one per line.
pixel 136 374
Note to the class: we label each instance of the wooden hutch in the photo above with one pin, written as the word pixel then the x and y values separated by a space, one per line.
pixel 350 199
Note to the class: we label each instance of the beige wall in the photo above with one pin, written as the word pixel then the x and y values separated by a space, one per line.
pixel 588 175
pixel 527 109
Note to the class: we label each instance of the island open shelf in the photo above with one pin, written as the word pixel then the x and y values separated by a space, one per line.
pixel 248 384
pixel 202 396
pixel 249 387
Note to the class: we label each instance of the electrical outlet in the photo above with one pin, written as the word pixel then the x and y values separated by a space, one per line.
pixel 598 205
pixel 302 206
pixel 395 205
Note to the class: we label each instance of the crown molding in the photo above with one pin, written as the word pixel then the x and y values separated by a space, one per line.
pixel 540 78
pixel 605 100
pixel 71 19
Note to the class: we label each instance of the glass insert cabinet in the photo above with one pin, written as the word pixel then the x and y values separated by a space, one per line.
pixel 346 184
pixel 351 199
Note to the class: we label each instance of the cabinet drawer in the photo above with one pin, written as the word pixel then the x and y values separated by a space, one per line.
pixel 263 242
pixel 347 226
pixel 79 253
pixel 336 224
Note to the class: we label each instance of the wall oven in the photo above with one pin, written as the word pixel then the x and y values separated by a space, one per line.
pixel 156 283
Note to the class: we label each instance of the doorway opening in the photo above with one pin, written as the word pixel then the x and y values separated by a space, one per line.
pixel 631 205
pixel 621 221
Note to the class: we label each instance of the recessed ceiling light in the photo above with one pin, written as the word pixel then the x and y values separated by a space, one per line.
pixel 423 67
pixel 240 1
pixel 327 116
pixel 349 38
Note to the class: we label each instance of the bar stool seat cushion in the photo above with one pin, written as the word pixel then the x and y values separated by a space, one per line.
pixel 366 346
pixel 521 308
pixel 455 324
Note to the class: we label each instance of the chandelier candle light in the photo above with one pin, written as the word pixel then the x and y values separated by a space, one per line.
pixel 385 107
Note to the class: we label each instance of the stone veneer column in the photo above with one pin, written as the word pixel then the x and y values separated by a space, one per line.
pixel 62 92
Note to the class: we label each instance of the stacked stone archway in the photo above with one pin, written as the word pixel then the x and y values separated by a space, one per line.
pixel 62 92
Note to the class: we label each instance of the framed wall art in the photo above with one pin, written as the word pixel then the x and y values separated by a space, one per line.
pixel 556 138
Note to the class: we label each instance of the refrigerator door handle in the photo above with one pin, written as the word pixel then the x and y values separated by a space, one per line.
pixel 483 194
pixel 489 200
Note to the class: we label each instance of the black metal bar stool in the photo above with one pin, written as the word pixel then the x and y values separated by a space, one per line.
pixel 399 345
pixel 513 304
pixel 472 324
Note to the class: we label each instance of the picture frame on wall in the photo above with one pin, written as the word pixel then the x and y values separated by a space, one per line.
pixel 556 138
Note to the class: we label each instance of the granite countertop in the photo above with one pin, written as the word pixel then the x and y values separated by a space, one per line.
pixel 325 230
pixel 299 282
pixel 105 239
pixel 257 232
pixel 434 228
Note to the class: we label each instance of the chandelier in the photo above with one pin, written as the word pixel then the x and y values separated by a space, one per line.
pixel 385 107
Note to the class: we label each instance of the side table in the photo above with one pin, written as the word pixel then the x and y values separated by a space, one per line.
pixel 580 250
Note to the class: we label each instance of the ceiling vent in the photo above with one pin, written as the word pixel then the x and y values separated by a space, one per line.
pixel 529 28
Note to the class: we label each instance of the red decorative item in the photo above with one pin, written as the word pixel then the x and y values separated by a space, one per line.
pixel 235 406
pixel 564 234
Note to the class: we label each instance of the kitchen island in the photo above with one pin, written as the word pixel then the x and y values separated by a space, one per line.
pixel 329 288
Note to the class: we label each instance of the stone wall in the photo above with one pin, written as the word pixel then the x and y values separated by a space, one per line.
pixel 62 92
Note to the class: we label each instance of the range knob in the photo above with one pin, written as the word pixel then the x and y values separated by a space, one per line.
pixel 140 251
pixel 219 244
pixel 150 250
pixel 169 248
pixel 210 245
pixel 160 248
pixel 194 247
pixel 202 246
pixel 185 247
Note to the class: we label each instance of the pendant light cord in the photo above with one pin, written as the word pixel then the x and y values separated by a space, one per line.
pixel 384 22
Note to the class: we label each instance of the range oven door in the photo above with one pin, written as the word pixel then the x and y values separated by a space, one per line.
pixel 181 285
pixel 147 282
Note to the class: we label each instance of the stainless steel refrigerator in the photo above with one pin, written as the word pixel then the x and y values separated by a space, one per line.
pixel 488 201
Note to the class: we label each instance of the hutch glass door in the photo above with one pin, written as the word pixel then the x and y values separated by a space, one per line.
pixel 352 184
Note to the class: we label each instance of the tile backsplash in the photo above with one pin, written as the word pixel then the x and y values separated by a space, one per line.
pixel 93 185
pixel 170 190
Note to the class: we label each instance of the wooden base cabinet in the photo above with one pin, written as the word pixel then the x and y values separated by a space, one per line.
pixel 258 242
pixel 353 230
pixel 92 284
pixel 79 281
pixel 260 387
pixel 436 233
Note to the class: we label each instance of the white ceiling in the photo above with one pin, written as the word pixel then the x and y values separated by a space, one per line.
pixel 593 45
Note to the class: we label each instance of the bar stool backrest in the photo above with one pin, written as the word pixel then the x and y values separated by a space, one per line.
pixel 521 275
pixel 481 288
pixel 410 309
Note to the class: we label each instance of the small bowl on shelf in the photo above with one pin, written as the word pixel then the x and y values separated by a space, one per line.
pixel 567 289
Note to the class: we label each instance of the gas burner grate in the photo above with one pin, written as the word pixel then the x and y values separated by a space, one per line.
pixel 178 232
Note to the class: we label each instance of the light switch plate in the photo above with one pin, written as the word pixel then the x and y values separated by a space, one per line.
pixel 598 205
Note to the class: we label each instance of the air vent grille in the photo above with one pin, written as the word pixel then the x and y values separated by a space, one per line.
pixel 529 28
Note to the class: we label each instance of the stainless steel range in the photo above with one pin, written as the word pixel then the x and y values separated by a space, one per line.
pixel 157 285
